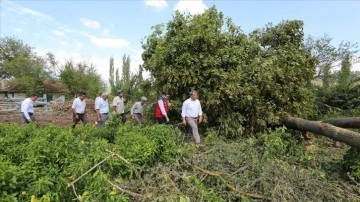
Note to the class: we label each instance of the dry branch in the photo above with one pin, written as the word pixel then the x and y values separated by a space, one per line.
pixel 133 194
pixel 228 185
pixel 101 162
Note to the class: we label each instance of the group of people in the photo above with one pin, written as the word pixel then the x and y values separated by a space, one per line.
pixel 191 112
pixel 102 108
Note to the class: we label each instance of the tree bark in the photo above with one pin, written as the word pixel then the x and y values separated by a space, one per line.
pixel 348 122
pixel 339 134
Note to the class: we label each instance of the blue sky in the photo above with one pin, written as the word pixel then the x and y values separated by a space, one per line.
pixel 93 31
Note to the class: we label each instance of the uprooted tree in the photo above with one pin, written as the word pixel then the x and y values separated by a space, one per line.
pixel 247 82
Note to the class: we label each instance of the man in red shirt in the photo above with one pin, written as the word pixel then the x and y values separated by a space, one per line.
pixel 162 108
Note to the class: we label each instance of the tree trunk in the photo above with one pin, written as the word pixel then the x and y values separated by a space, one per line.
pixel 339 134
pixel 348 122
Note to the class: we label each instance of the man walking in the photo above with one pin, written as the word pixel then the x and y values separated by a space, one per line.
pixel 79 109
pixel 102 110
pixel 192 114
pixel 27 109
pixel 119 105
pixel 162 108
pixel 137 110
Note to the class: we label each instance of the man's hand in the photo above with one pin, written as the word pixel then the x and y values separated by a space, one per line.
pixel 99 119
pixel 167 119
pixel 77 117
pixel 200 119
pixel 132 117
pixel 184 122
pixel 29 120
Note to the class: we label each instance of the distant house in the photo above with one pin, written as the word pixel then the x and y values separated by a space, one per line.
pixel 53 90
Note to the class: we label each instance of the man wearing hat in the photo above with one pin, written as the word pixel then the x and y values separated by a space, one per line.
pixel 137 110
pixel 119 105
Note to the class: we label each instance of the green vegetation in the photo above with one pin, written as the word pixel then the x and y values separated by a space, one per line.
pixel 155 163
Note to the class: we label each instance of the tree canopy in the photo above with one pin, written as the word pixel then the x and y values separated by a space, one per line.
pixel 252 78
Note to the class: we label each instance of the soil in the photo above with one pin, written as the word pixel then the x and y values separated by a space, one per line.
pixel 58 114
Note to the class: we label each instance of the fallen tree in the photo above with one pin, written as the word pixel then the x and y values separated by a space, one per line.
pixel 348 122
pixel 326 129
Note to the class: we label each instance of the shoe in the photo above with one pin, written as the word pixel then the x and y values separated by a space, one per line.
pixel 200 146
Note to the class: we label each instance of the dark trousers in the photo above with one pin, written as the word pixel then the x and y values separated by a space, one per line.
pixel 24 119
pixel 161 121
pixel 82 117
pixel 123 117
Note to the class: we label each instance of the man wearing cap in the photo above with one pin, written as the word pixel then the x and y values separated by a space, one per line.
pixel 79 109
pixel 192 114
pixel 119 105
pixel 27 109
pixel 162 108
pixel 102 110
pixel 137 110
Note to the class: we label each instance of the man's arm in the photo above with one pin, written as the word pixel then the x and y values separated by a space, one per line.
pixel 183 109
pixel 200 113
pixel 73 110
pixel 97 108
pixel 114 104
pixel 26 112
pixel 162 109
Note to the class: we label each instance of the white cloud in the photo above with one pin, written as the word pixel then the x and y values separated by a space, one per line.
pixel 58 33
pixel 11 9
pixel 105 32
pixel 19 30
pixel 109 42
pixel 34 13
pixel 191 6
pixel 158 4
pixel 92 24
pixel 64 43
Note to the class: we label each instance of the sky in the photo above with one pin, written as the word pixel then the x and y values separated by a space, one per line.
pixel 93 31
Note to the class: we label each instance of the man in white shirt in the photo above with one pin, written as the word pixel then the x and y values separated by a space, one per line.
pixel 27 109
pixel 102 110
pixel 79 109
pixel 137 110
pixel 192 114
pixel 119 105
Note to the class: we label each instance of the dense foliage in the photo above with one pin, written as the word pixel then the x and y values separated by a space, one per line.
pixel 42 161
pixel 156 163
pixel 251 78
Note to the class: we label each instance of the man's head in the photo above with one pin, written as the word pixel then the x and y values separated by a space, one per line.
pixel 143 100
pixel 82 95
pixel 104 95
pixel 193 94
pixel 165 95
pixel 120 93
pixel 33 96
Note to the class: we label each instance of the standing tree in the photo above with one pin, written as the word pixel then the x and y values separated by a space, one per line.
pixel 245 81
pixel 111 74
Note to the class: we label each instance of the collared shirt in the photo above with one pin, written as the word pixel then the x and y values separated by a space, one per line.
pixel 119 104
pixel 79 106
pixel 137 108
pixel 161 106
pixel 191 108
pixel 27 106
pixel 102 105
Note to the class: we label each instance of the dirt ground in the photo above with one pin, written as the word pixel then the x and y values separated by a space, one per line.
pixel 55 118
pixel 58 114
